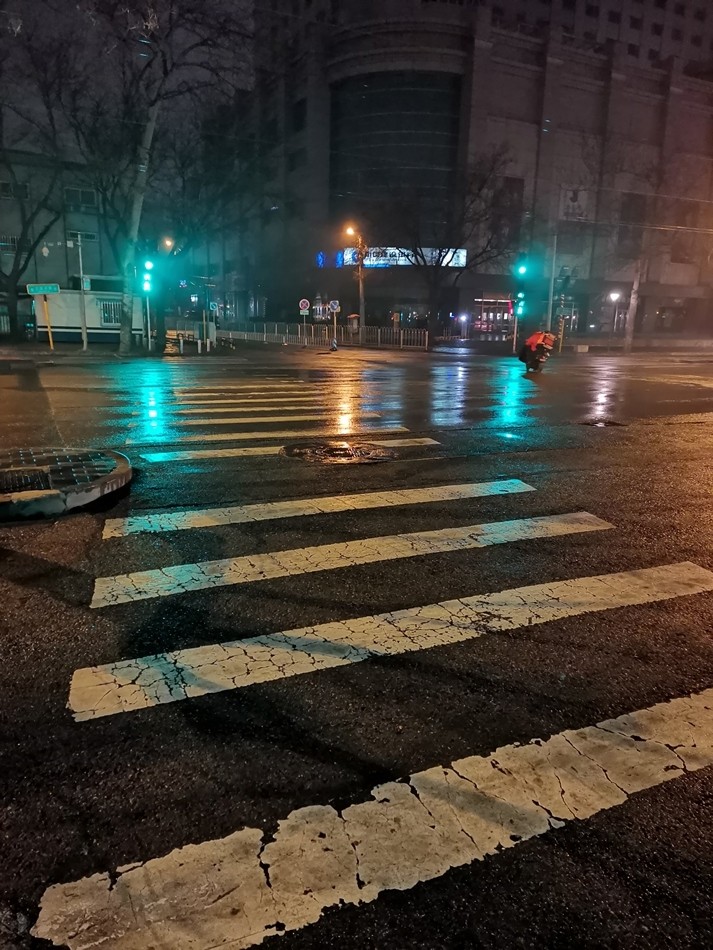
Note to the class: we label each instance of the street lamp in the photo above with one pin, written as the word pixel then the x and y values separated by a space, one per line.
pixel 361 250
pixel 168 243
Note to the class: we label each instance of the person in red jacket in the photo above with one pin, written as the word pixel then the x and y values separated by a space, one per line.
pixel 540 338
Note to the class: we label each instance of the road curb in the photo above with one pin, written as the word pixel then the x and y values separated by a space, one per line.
pixel 73 479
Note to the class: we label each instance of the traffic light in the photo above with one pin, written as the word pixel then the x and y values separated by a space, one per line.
pixel 521 273
pixel 148 275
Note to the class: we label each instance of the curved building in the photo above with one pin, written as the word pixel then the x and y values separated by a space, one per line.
pixel 369 110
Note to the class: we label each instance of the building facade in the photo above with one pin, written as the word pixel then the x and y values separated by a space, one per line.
pixel 610 152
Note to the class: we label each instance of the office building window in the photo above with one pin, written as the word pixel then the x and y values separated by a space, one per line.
pixel 657 29
pixel 696 41
pixel 635 22
pixel 9 243
pixel 700 15
pixel 80 199
pixel 614 17
pixel 680 9
pixel 633 50
pixel 395 133
pixel 591 10
pixel 653 55
pixel 110 312
pixel 632 217
pixel 572 236
pixel 19 189
pixel 88 237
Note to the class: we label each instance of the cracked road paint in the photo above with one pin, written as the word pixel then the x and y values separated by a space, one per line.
pixel 239 890
pixel 181 578
pixel 267 434
pixel 251 451
pixel 128 685
pixel 240 514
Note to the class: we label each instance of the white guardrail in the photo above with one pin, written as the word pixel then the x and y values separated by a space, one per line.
pixel 321 335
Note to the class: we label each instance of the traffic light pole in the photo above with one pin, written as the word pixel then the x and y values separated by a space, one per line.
pixel 148 324
pixel 551 297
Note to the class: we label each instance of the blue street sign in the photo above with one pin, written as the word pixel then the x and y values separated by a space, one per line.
pixel 37 290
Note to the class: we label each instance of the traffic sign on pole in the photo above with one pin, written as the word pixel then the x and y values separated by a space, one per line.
pixel 334 306
pixel 37 290
pixel 304 304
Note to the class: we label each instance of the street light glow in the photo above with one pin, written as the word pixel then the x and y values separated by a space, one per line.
pixel 168 243
pixel 614 296
pixel 350 230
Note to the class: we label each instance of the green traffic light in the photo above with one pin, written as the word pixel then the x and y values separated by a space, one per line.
pixel 522 269
pixel 148 265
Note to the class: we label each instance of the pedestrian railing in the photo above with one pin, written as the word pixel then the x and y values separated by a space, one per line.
pixel 320 335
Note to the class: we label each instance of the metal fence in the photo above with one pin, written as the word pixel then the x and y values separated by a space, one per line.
pixel 321 335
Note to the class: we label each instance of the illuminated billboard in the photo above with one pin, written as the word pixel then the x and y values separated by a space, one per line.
pixel 404 257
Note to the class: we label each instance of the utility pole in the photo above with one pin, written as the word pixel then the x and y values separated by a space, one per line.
pixel 633 306
pixel 82 298
pixel 551 297
pixel 362 307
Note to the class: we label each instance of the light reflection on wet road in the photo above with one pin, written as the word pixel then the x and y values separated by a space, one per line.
pixel 146 402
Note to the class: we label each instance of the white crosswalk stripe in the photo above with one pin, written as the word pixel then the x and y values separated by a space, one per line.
pixel 181 578
pixel 338 432
pixel 241 514
pixel 257 450
pixel 261 420
pixel 129 685
pixel 237 891
pixel 251 405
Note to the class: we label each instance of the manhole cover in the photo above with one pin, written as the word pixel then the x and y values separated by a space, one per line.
pixel 339 453
pixel 24 479
pixel 602 423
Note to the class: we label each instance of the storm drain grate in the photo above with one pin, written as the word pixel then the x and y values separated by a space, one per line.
pixel 24 479
pixel 339 453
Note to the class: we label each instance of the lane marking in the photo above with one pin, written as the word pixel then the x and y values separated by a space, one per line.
pixel 181 578
pixel 239 514
pixel 248 405
pixel 238 890
pixel 129 685
pixel 270 434
pixel 188 454
pixel 314 417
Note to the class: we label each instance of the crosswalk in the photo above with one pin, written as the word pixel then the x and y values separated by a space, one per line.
pixel 238 889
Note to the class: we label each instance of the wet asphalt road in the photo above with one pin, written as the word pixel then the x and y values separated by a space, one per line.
pixel 79 798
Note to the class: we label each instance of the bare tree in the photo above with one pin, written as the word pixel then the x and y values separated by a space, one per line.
pixel 483 221
pixel 142 59
pixel 36 60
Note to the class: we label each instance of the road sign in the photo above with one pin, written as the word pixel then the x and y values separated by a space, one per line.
pixel 213 306
pixel 304 304
pixel 334 306
pixel 37 290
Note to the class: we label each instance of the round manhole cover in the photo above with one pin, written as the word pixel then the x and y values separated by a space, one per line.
pixel 339 453
pixel 601 423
